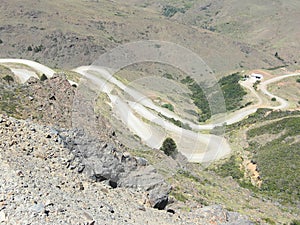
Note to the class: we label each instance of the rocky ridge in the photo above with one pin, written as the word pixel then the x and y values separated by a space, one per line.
pixel 40 184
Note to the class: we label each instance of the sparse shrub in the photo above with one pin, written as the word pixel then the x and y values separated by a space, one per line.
pixel 29 48
pixel 168 106
pixel 255 84
pixel 230 168
pixel 278 57
pixel 168 76
pixel 169 147
pixel 43 77
pixel 248 103
pixel 39 48
pixel 170 11
pixel 179 196
pixel 232 91
pixel 8 78
pixel 269 221
pixel 295 222
pixel 1 41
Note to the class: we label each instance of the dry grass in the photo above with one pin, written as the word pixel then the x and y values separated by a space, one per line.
pixel 288 89
pixel 76 32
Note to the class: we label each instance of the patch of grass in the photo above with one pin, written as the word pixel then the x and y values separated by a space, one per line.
pixel 276 67
pixel 168 76
pixel 279 159
pixel 9 102
pixel 261 115
pixel 179 196
pixel 230 168
pixel 198 98
pixel 189 175
pixel 168 106
pixel 269 221
pixel 256 84
pixel 295 222
pixel 169 11
pixel 232 91
pixel 176 122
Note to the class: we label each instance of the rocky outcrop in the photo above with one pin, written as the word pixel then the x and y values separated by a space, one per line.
pixel 42 182
pixel 103 161
pixel 48 102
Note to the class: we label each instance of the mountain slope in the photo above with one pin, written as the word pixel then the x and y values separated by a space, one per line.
pixel 268 26
pixel 67 34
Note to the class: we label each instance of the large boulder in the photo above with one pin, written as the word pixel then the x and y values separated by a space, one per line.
pixel 102 161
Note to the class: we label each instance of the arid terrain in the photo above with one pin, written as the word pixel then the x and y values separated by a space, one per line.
pixel 149 112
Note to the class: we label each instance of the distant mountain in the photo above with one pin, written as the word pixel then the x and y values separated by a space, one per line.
pixel 268 26
pixel 71 33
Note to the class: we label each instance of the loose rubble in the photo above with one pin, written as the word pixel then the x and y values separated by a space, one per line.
pixel 40 184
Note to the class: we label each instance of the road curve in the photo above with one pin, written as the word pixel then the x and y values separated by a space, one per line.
pixel 263 88
pixel 195 146
pixel 37 66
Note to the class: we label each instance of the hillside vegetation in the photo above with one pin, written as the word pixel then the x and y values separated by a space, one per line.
pixel 278 159
pixel 232 91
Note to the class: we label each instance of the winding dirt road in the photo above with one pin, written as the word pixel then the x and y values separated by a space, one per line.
pixel 140 113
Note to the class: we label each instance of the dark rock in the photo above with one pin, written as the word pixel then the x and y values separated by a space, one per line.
pixel 80 168
pixel 103 161
pixel 171 211
pixel 113 184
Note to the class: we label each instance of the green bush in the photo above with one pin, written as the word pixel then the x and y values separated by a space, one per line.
pixel 169 147
pixel 168 106
pixel 232 91
pixel 273 99
pixel 255 84
pixel 279 159
pixel 295 222
pixel 298 80
pixel 43 77
pixel 39 48
pixel 230 168
pixel 169 11
pixel 8 78
pixel 176 122
pixel 168 76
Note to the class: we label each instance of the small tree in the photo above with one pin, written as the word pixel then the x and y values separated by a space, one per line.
pixel 169 147
pixel 8 78
pixel 43 77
